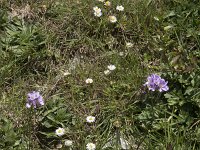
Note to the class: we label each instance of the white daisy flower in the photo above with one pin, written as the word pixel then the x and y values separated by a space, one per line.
pixel 112 19
pixel 111 67
pixel 95 8
pixel 98 14
pixel 97 11
pixel 101 0
pixel 90 146
pixel 60 131
pixel 120 8
pixel 106 72
pixel 90 119
pixel 89 80
pixel 68 143
pixel 129 45
pixel 107 3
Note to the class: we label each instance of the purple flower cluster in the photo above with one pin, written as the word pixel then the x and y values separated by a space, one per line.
pixel 34 99
pixel 155 82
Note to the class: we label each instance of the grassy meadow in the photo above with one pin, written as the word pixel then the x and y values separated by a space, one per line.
pixel 111 75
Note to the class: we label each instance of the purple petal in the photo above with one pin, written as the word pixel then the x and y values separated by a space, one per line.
pixel 36 94
pixel 34 104
pixel 41 101
pixel 31 96
pixel 165 88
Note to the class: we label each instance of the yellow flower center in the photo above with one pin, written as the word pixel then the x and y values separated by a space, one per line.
pixel 60 131
pixel 107 3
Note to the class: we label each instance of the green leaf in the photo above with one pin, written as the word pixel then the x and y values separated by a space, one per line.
pixel 47 124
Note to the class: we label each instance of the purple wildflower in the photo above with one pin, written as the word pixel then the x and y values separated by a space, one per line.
pixel 163 85
pixel 35 99
pixel 155 82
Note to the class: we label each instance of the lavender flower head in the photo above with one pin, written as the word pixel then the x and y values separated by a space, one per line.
pixel 35 99
pixel 155 82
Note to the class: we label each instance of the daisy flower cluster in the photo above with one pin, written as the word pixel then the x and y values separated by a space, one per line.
pixel 111 18
pixel 90 146
pixel 110 68
pixel 61 131
pixel 154 82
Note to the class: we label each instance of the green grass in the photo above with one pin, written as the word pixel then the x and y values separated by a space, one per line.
pixel 41 40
